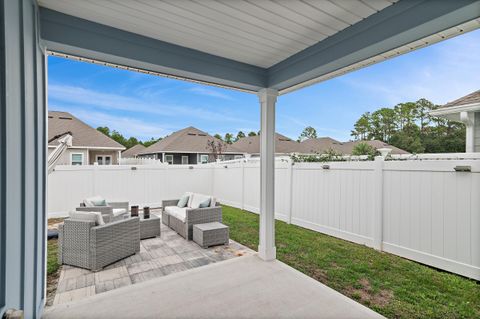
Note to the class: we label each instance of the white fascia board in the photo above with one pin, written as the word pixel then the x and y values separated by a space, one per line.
pixel 453 113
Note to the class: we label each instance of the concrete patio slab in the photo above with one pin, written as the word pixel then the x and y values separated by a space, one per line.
pixel 159 256
pixel 244 287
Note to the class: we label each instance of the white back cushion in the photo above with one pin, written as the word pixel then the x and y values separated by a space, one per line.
pixel 190 197
pixel 95 217
pixel 213 202
pixel 197 199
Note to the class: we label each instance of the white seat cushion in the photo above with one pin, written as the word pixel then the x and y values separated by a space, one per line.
pixel 118 211
pixel 198 199
pixel 177 212
pixel 88 216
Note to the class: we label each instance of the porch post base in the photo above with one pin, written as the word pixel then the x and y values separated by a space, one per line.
pixel 267 253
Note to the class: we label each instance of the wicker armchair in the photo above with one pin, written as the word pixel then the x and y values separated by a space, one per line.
pixel 85 245
pixel 193 216
pixel 108 213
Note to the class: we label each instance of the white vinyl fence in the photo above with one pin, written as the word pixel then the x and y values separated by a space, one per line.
pixel 423 210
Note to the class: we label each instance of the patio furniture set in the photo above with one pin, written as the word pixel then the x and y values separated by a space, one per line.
pixel 99 233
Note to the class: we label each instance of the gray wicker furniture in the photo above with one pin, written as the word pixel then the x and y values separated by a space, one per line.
pixel 193 216
pixel 210 234
pixel 82 244
pixel 149 227
pixel 112 212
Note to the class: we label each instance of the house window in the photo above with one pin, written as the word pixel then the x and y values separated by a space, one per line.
pixel 76 159
pixel 203 159
pixel 184 160
pixel 104 160
pixel 169 159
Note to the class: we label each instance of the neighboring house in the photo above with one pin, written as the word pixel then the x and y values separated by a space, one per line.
pixel 189 146
pixel 286 146
pixel 346 148
pixel 467 111
pixel 283 145
pixel 319 145
pixel 133 151
pixel 89 146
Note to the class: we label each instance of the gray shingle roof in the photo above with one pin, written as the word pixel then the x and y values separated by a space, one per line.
pixel 133 151
pixel 472 98
pixel 188 140
pixel 83 134
pixel 347 147
pixel 318 145
pixel 283 144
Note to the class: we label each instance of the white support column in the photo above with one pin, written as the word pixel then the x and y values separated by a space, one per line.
pixel 468 118
pixel 266 248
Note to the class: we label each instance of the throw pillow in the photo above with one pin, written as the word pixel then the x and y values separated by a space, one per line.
pixel 100 203
pixel 95 201
pixel 183 200
pixel 205 203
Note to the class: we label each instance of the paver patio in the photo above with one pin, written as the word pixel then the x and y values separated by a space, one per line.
pixel 160 256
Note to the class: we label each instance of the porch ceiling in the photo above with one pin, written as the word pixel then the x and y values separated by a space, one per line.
pixel 248 45
pixel 260 33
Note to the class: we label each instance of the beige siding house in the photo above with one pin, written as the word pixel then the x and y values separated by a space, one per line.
pixel 189 146
pixel 467 111
pixel 89 146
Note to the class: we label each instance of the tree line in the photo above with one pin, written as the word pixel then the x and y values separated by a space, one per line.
pixel 409 126
pixel 127 142
pixel 230 138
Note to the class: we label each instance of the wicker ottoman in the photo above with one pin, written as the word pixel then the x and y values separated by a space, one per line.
pixel 210 234
pixel 149 227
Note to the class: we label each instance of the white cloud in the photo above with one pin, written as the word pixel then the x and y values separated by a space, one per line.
pixel 451 70
pixel 76 95
pixel 210 92
pixel 127 126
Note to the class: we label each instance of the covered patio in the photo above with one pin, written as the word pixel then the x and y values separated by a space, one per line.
pixel 268 48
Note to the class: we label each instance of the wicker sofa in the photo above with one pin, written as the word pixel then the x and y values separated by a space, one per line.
pixel 85 245
pixel 183 224
pixel 111 212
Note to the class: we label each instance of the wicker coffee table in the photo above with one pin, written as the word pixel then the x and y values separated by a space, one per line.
pixel 210 234
pixel 149 227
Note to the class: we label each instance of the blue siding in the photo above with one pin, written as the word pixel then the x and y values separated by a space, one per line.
pixel 22 159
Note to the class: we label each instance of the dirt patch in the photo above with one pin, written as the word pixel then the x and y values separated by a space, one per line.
pixel 52 281
pixel 366 295
pixel 53 222
pixel 319 274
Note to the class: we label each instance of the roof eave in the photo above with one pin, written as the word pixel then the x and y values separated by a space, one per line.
pixel 453 112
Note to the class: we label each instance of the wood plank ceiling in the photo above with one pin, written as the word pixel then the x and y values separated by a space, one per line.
pixel 260 33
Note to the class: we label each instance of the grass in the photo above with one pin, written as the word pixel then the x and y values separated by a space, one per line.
pixel 52 261
pixel 391 285
pixel 53 268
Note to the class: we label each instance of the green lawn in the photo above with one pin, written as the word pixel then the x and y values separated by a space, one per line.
pixel 390 285
pixel 52 260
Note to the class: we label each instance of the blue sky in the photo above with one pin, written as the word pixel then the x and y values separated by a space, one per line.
pixel 146 106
